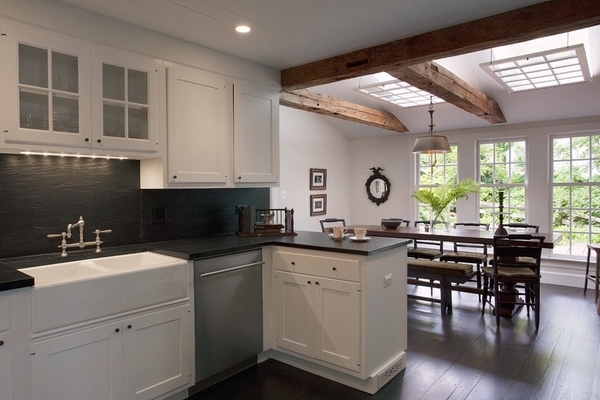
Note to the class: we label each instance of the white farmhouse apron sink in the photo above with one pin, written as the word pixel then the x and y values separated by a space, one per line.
pixel 78 291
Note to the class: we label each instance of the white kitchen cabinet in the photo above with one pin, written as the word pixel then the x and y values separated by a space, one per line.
pixel 319 318
pixel 141 357
pixel 125 101
pixel 47 91
pixel 338 315
pixel 256 135
pixel 199 107
pixel 62 94
pixel 220 133
pixel 15 333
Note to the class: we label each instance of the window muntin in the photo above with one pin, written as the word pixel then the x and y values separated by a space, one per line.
pixel 502 167
pixel 575 163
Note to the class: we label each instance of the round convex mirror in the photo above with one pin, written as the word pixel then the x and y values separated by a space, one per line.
pixel 378 186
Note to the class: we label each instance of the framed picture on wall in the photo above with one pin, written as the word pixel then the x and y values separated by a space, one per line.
pixel 318 179
pixel 318 204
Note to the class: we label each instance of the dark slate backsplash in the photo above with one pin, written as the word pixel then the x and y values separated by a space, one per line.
pixel 41 195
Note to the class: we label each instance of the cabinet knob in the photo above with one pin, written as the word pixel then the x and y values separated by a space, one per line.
pixel 174 176
pixel 334 268
pixel 128 326
pixel 1 342
pixel 87 139
pixel 99 140
pixel 308 282
pixel 117 330
pixel 293 262
pixel 316 283
pixel 239 178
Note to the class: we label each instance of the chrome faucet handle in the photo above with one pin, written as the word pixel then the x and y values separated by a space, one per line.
pixel 98 241
pixel 63 244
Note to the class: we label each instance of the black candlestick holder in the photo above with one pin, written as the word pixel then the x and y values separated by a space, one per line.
pixel 500 230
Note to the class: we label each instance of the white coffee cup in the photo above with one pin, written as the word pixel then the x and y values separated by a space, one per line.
pixel 338 232
pixel 360 233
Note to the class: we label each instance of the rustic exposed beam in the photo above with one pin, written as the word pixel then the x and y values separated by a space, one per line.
pixel 437 80
pixel 337 108
pixel 538 20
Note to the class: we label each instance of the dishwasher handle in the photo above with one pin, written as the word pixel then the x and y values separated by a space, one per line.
pixel 223 271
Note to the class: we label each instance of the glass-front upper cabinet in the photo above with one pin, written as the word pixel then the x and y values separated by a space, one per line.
pixel 125 103
pixel 46 89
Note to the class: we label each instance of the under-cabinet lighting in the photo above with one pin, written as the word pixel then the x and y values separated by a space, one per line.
pixel 45 153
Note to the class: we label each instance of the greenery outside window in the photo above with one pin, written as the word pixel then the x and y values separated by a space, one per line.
pixel 576 192
pixel 502 166
pixel 445 170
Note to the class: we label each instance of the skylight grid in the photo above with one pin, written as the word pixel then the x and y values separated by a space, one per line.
pixel 551 68
pixel 399 93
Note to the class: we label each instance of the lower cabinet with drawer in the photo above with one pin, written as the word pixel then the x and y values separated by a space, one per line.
pixel 339 315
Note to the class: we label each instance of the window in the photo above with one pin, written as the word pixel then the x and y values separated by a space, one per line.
pixel 502 168
pixel 576 192
pixel 435 170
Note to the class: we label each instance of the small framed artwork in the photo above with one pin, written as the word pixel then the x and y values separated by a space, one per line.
pixel 318 204
pixel 318 179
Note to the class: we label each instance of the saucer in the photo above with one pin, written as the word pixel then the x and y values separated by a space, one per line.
pixel 355 239
pixel 344 237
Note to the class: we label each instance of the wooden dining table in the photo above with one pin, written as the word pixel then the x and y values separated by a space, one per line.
pixel 451 235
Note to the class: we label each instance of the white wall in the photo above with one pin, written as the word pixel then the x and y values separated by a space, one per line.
pixel 308 141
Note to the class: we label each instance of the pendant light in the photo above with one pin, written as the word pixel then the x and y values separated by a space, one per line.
pixel 431 144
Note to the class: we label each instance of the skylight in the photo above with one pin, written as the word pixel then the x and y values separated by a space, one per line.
pixel 397 92
pixel 541 63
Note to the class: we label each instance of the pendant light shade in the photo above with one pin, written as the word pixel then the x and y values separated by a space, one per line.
pixel 431 144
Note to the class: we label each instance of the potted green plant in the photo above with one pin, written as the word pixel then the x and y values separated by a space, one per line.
pixel 439 197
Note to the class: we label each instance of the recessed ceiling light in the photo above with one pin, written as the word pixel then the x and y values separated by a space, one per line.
pixel 242 28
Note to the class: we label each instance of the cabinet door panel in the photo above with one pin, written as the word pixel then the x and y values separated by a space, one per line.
pixel 337 310
pixel 47 94
pixel 162 335
pixel 5 367
pixel 82 365
pixel 294 313
pixel 256 135
pixel 199 111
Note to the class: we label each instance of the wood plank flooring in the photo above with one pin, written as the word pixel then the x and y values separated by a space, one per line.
pixel 463 356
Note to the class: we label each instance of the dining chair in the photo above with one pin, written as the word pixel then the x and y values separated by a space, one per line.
pixel 594 275
pixel 434 250
pixel 460 255
pixel 328 223
pixel 509 277
pixel 522 227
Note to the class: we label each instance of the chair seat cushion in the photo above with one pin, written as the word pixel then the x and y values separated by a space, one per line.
pixel 511 273
pixel 464 256
pixel 430 254
pixel 438 267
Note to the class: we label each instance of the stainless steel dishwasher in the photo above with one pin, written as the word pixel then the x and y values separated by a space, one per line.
pixel 229 317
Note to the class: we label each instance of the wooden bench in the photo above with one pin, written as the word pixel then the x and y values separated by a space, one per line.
pixel 445 273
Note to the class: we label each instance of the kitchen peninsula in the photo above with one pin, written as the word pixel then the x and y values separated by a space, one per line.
pixel 346 301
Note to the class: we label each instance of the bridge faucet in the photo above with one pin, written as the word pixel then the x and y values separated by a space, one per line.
pixel 79 224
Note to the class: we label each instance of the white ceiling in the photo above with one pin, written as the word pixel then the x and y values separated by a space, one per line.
pixel 289 33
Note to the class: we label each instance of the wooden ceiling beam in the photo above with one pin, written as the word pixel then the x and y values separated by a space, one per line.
pixel 337 108
pixel 538 20
pixel 440 82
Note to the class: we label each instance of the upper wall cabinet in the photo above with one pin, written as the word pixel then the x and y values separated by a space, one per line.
pixel 64 94
pixel 220 133
pixel 256 135
pixel 199 109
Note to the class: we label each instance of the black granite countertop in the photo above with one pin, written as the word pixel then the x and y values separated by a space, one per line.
pixel 192 249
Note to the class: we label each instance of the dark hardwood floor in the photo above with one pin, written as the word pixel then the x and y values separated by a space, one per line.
pixel 463 356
